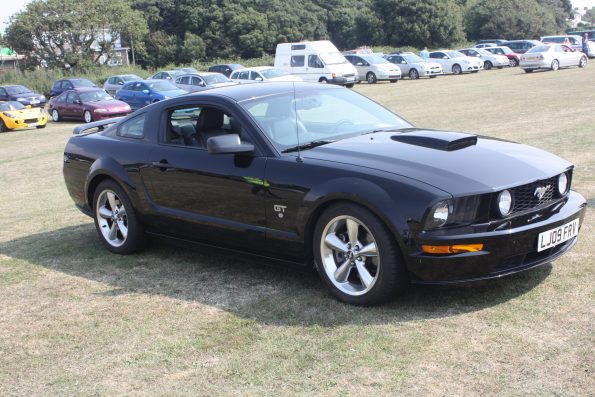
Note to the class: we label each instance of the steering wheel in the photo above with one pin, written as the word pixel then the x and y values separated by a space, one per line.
pixel 340 123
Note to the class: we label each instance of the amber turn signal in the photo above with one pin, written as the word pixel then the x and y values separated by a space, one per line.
pixel 451 249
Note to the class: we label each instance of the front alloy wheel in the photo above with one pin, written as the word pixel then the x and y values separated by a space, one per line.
pixel 88 116
pixel 413 74
pixel 583 62
pixel 456 69
pixel 513 62
pixel 55 115
pixel 371 78
pixel 356 256
pixel 115 219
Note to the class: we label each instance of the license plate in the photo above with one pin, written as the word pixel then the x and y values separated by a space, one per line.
pixel 32 124
pixel 553 237
pixel 34 101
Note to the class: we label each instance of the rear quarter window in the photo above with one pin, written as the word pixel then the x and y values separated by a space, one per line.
pixel 133 128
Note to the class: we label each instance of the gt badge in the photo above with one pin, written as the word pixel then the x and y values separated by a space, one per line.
pixel 279 209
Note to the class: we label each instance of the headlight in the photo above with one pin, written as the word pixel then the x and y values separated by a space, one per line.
pixel 459 211
pixel 466 62
pixel 101 110
pixel 42 98
pixel 11 115
pixel 562 184
pixel 439 214
pixel 21 99
pixel 505 203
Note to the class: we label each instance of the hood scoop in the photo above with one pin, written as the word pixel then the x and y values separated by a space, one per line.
pixel 439 140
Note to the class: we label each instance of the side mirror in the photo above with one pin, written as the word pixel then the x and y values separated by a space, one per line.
pixel 228 143
pixel 202 84
pixel 120 83
pixel 359 64
pixel 258 79
pixel 77 101
pixel 146 91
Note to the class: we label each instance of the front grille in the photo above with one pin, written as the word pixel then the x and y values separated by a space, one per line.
pixel 525 197
pixel 29 121
pixel 349 75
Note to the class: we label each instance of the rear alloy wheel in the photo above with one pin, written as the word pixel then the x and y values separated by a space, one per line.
pixel 55 115
pixel 115 219
pixel 371 78
pixel 487 65
pixel 88 116
pixel 555 65
pixel 357 257
pixel 583 62
pixel 456 69
pixel 413 74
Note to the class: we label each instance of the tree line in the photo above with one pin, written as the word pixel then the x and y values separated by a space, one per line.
pixel 183 31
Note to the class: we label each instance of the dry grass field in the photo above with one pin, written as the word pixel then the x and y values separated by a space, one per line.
pixel 76 320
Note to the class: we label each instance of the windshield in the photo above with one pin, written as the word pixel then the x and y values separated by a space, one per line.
pixel 12 105
pixel 17 89
pixel 215 78
pixel 272 73
pixel 540 48
pixel 374 59
pixel 162 85
pixel 412 58
pixel 332 58
pixel 82 83
pixel 454 54
pixel 319 115
pixel 95 96
pixel 131 77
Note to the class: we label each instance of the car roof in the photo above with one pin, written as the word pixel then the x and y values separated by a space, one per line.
pixel 85 89
pixel 242 92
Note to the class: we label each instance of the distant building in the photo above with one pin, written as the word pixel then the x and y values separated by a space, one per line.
pixel 9 60
pixel 580 8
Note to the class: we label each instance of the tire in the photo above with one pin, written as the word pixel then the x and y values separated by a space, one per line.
pixel 583 62
pixel 413 74
pixel 322 80
pixel 3 127
pixel 121 234
pixel 456 69
pixel 355 277
pixel 349 85
pixel 487 65
pixel 528 70
pixel 555 65
pixel 433 76
pixel 371 78
pixel 513 62
pixel 500 67
pixel 55 115
pixel 40 126
pixel 87 116
pixel 394 81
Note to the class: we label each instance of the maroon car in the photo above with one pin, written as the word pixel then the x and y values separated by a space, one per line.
pixel 513 58
pixel 88 104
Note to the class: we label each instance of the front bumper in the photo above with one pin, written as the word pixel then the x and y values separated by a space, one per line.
pixel 505 252
pixel 13 124
pixel 344 80
pixel 105 116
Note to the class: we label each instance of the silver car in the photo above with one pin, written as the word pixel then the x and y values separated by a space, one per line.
pixel 552 57
pixel 203 81
pixel 489 59
pixel 373 67
pixel 114 83
pixel 413 66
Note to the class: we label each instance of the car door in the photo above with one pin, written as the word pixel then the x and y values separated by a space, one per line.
pixel 3 94
pixel 76 107
pixel 183 83
pixel 142 95
pixel 68 107
pixel 567 55
pixel 401 63
pixel 217 198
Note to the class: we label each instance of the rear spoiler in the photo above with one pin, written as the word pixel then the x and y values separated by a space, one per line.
pixel 100 125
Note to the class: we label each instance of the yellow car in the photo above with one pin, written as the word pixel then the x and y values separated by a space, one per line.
pixel 15 115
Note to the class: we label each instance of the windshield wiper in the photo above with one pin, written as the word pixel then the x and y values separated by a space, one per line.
pixel 308 145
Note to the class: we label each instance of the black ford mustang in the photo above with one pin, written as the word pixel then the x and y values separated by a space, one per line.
pixel 314 173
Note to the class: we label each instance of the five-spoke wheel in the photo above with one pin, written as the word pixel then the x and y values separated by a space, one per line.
pixel 115 219
pixel 357 257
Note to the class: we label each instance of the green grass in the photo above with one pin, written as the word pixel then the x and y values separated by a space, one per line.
pixel 75 320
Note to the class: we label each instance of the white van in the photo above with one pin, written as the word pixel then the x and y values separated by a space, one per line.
pixel 317 61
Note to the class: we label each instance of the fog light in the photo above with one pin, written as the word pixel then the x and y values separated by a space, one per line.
pixel 505 203
pixel 562 184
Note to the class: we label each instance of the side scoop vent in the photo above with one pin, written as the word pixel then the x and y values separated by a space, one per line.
pixel 439 140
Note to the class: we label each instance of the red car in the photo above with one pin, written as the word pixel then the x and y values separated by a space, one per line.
pixel 88 104
pixel 513 58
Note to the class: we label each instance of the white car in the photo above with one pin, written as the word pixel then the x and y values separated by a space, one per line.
pixel 413 66
pixel 373 68
pixel 489 60
pixel 455 62
pixel 552 57
pixel 262 73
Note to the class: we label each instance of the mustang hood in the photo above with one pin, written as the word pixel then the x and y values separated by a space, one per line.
pixel 460 164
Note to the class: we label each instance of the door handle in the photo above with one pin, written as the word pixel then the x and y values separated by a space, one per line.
pixel 162 164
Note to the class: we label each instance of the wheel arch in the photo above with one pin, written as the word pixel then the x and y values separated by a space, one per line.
pixel 108 168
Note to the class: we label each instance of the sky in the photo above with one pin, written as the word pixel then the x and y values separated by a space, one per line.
pixel 8 8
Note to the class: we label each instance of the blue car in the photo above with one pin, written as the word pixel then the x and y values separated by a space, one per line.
pixel 142 93
pixel 68 84
pixel 22 94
